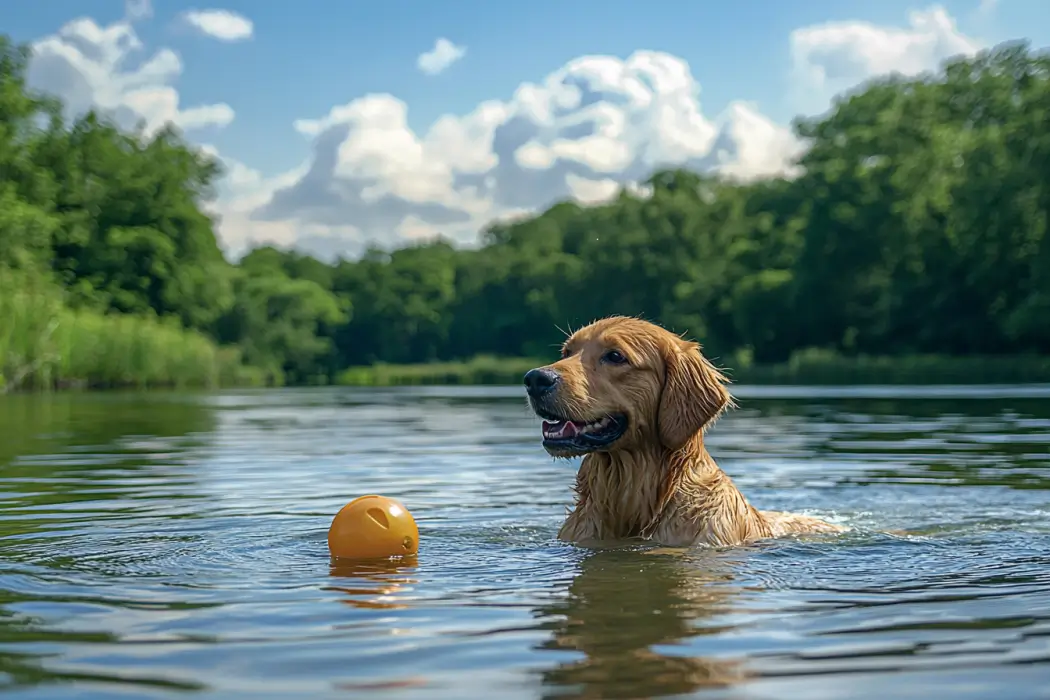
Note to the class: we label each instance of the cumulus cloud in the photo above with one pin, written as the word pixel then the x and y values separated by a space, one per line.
pixel 835 56
pixel 588 129
pixel 243 190
pixel 223 25
pixel 439 58
pixel 87 65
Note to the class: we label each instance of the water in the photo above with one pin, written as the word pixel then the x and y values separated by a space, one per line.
pixel 174 546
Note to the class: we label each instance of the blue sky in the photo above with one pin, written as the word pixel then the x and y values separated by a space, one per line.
pixel 303 58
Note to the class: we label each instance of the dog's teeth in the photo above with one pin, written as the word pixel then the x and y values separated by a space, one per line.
pixel 597 425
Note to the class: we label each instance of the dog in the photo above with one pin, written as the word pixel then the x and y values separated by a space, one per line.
pixel 635 400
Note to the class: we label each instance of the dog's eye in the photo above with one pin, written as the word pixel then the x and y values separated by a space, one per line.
pixel 614 357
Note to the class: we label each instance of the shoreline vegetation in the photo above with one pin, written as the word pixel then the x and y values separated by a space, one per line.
pixel 909 245
pixel 805 368
pixel 45 345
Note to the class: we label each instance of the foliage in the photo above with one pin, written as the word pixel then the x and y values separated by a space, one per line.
pixel 44 343
pixel 283 324
pixel 915 229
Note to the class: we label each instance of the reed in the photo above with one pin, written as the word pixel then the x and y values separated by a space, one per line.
pixel 479 370
pixel 46 345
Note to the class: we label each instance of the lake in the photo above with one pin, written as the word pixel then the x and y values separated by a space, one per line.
pixel 174 545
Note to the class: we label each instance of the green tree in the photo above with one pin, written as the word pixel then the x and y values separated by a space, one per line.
pixel 27 219
pixel 283 325
pixel 133 234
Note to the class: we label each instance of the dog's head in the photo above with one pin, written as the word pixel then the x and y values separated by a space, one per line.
pixel 625 383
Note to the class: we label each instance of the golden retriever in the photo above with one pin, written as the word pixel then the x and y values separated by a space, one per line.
pixel 635 400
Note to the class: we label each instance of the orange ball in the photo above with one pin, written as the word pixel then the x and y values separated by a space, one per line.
pixel 373 527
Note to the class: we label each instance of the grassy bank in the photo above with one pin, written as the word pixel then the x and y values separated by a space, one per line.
pixel 46 345
pixel 808 367
pixel 479 370
pixel 821 367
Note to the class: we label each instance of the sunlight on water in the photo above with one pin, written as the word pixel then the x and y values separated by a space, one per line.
pixel 176 544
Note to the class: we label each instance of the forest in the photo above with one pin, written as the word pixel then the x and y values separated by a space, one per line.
pixel 913 234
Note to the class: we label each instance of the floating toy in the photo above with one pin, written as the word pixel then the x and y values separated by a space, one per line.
pixel 373 527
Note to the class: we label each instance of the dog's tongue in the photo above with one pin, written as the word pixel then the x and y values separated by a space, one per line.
pixel 560 429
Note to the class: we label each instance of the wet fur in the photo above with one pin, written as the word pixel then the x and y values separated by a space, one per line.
pixel 657 482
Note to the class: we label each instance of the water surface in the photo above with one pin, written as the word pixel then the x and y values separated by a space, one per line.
pixel 174 546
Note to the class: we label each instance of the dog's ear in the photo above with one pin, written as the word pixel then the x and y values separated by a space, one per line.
pixel 694 394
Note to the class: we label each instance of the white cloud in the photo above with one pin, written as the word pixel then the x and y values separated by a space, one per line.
pixel 220 24
pixel 586 130
pixel 138 9
pixel 588 191
pixel 835 56
pixel 439 58
pixel 413 228
pixel 242 191
pixel 753 145
pixel 86 65
pixel 595 125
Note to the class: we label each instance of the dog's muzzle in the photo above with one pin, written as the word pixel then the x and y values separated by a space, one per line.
pixel 540 382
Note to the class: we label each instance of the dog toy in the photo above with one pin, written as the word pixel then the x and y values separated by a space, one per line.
pixel 373 527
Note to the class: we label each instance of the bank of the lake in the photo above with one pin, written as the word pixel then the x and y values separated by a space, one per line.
pixel 118 352
pixel 807 367
pixel 45 344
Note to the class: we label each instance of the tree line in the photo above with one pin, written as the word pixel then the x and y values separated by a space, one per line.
pixel 916 225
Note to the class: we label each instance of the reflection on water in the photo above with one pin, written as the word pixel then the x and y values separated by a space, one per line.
pixel 625 614
pixel 377 582
pixel 158 543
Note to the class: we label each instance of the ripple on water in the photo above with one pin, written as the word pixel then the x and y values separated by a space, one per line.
pixel 178 543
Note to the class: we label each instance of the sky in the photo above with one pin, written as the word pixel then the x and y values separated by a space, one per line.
pixel 342 124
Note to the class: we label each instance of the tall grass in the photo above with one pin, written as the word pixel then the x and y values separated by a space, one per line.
pixel 810 367
pixel 822 367
pixel 44 344
pixel 483 369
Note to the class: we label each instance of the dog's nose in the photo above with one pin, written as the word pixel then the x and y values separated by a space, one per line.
pixel 540 381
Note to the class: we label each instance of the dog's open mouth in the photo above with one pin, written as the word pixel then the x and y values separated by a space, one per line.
pixel 582 436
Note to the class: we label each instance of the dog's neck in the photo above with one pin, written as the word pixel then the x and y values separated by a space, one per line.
pixel 619 495
pixel 619 492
